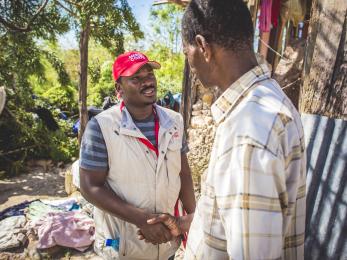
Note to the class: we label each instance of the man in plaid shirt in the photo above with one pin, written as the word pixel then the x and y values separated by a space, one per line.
pixel 252 203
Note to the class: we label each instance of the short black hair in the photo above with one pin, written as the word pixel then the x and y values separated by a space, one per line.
pixel 227 23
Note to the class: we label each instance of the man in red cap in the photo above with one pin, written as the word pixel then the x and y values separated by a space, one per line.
pixel 133 165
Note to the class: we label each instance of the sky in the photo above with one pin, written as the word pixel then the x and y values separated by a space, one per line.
pixel 141 11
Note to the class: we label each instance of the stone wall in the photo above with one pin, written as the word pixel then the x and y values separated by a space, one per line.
pixel 201 130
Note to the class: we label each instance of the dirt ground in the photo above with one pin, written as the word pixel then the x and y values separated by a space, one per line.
pixel 35 184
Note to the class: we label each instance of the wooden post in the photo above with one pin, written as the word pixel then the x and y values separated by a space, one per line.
pixel 186 103
pixel 271 56
pixel 84 40
pixel 281 26
pixel 324 91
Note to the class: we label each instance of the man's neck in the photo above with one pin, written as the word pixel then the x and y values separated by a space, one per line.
pixel 231 69
pixel 139 113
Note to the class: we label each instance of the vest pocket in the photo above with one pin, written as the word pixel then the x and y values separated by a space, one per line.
pixel 107 227
pixel 173 157
pixel 133 248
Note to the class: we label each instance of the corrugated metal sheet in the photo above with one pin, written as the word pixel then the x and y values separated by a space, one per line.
pixel 326 210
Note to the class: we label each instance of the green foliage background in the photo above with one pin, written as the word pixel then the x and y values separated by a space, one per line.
pixel 32 64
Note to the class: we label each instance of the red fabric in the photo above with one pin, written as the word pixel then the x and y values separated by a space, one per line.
pixel 265 16
pixel 275 12
pixel 121 106
pixel 128 63
pixel 149 145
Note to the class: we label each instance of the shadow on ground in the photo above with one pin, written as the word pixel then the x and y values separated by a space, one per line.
pixel 37 183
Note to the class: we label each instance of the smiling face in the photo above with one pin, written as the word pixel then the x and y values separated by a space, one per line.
pixel 140 89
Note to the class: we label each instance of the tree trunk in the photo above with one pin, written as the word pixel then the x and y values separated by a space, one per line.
pixel 324 91
pixel 82 102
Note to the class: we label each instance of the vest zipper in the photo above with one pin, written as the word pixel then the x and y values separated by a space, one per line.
pixel 167 170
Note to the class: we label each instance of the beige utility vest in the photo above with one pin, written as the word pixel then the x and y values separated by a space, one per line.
pixel 140 178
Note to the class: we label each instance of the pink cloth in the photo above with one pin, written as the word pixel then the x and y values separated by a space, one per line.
pixel 265 16
pixel 69 229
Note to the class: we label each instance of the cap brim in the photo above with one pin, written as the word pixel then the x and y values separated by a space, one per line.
pixel 133 69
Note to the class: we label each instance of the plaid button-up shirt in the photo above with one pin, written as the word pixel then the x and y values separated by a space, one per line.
pixel 252 203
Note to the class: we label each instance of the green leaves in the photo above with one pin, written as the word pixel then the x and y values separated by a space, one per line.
pixel 166 47
pixel 104 87
pixel 166 22
pixel 58 65
pixel 30 64
pixel 170 74
pixel 41 19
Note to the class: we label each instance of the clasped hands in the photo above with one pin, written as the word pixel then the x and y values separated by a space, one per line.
pixel 159 228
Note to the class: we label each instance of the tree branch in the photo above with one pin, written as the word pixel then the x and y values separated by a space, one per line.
pixel 67 9
pixel 27 28
pixel 179 2
pixel 41 8
pixel 73 3
pixel 17 150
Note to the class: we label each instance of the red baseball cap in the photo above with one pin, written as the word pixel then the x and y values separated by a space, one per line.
pixel 127 64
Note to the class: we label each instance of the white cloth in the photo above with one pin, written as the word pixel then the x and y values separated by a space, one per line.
pixel 75 170
pixel 65 204
pixel 2 98
pixel 12 232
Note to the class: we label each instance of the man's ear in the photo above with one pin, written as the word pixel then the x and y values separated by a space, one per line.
pixel 204 47
pixel 119 89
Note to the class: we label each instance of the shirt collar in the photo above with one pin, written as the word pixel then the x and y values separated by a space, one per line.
pixel 164 119
pixel 228 100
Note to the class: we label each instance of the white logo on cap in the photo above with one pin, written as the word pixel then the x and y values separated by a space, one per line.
pixel 136 56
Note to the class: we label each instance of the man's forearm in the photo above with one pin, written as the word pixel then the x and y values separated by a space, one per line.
pixel 187 192
pixel 106 200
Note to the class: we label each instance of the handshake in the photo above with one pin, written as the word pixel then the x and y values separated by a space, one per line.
pixel 160 228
